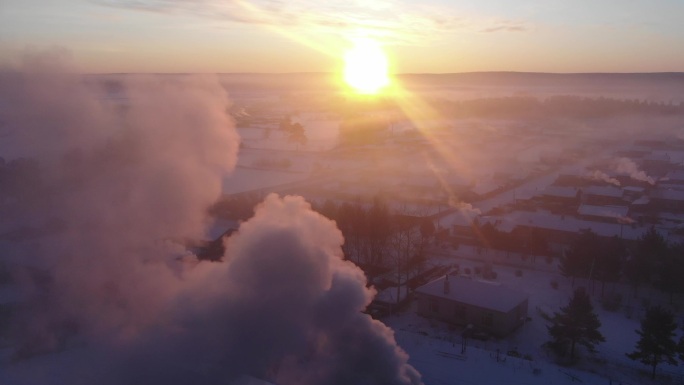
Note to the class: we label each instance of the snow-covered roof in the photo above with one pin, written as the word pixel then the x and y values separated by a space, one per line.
pixel 603 211
pixel 671 195
pixel 670 186
pixel 644 200
pixel 675 217
pixel 604 191
pixel 675 176
pixel 675 156
pixel 560 191
pixel 486 295
pixel 547 220
pixel 658 156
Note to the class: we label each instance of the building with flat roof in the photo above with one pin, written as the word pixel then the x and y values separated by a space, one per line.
pixel 607 213
pixel 488 306
pixel 603 195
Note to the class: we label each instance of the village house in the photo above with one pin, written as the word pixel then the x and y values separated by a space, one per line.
pixel 603 195
pixel 604 213
pixel 667 200
pixel 563 195
pixel 488 306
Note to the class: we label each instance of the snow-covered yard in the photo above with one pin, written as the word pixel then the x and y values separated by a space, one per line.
pixel 436 349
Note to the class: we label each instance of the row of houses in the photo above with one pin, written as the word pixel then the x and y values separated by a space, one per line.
pixel 560 230
pixel 663 196
pixel 620 206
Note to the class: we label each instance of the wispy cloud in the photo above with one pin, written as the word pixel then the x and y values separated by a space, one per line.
pixel 390 21
pixel 507 26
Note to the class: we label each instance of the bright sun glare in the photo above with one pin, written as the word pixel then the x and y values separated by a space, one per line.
pixel 365 67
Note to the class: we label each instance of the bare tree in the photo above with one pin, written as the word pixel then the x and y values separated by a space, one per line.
pixel 405 248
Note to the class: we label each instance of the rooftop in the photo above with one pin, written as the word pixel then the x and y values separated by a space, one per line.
pixel 658 156
pixel 560 191
pixel 604 191
pixel 674 176
pixel 671 195
pixel 486 295
pixel 548 220
pixel 604 211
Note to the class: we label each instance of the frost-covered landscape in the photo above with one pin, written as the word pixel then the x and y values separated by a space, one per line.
pixel 502 199
pixel 294 192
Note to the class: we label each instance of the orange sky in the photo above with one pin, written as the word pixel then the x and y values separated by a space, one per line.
pixel 307 36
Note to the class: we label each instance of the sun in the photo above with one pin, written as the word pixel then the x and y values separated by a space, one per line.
pixel 366 67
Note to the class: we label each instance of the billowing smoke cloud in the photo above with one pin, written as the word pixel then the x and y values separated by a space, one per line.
pixel 106 187
pixel 291 306
pixel 628 167
pixel 602 176
pixel 96 199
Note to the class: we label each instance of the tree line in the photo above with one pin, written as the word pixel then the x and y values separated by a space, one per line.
pixel 569 106
pixel 376 239
pixel 295 131
pixel 524 240
pixel 652 260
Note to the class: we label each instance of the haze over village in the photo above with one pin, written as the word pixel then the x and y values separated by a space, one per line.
pixel 280 193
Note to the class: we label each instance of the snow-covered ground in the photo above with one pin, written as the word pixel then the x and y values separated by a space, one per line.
pixel 441 362
pixel 469 155
pixel 435 348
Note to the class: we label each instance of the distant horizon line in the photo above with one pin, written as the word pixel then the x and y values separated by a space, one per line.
pixel 396 74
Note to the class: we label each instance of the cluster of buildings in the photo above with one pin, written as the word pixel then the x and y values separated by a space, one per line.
pixel 640 188
pixel 619 192
pixel 622 201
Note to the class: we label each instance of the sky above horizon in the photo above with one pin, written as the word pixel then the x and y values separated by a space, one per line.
pixel 433 36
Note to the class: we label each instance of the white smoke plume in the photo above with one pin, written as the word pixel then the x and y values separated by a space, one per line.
pixel 293 306
pixel 464 208
pixel 107 186
pixel 95 200
pixel 627 166
pixel 625 220
pixel 98 191
pixel 602 176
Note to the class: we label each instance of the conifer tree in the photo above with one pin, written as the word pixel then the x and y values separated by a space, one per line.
pixel 578 261
pixel 657 343
pixel 576 323
pixel 651 249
